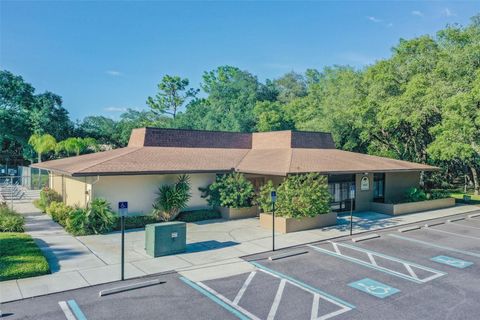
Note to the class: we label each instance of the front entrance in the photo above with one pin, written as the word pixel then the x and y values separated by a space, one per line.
pixel 339 188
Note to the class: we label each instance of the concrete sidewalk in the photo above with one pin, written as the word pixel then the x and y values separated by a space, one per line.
pixel 214 249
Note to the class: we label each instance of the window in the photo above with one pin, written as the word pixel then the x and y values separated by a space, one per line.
pixel 379 187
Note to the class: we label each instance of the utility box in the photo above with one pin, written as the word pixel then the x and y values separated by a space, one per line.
pixel 165 238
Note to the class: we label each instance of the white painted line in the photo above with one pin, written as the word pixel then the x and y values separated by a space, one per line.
pixel 335 247
pixel 315 304
pixel 287 254
pixel 409 269
pixel 429 244
pixel 372 259
pixel 228 302
pixel 408 275
pixel 66 310
pixel 409 228
pixel 453 233
pixel 276 301
pixel 364 238
pixel 464 225
pixel 134 286
pixel 244 287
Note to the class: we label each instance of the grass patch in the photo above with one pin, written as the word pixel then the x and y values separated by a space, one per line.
pixel 198 215
pixel 20 257
pixel 10 220
pixel 459 196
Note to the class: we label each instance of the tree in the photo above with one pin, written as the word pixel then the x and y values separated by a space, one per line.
pixel 42 144
pixel 232 94
pixel 171 96
pixel 290 86
pixel 270 116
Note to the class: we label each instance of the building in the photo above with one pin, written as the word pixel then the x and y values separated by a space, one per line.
pixel 156 156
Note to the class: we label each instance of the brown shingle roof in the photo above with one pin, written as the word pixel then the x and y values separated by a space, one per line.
pixel 314 153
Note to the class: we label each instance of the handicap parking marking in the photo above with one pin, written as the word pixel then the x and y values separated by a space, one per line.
pixel 242 312
pixel 433 245
pixel 375 288
pixel 453 262
pixel 71 310
pixel 373 263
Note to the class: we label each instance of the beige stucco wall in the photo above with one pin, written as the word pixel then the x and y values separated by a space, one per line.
pixel 140 191
pixel 363 198
pixel 397 183
pixel 74 191
pixel 55 183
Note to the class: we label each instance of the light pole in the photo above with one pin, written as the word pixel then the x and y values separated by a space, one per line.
pixel 273 196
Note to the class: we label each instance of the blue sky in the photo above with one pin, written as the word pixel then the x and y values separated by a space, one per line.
pixel 105 56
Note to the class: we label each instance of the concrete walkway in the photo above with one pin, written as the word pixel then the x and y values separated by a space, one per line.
pixel 214 249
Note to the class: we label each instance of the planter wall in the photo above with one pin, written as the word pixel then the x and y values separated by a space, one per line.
pixel 286 225
pixel 238 213
pixel 411 207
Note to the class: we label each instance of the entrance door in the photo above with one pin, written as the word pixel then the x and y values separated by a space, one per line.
pixel 339 188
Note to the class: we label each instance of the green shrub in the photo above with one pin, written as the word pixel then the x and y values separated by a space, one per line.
pixel 10 220
pixel 47 196
pixel 59 212
pixel 172 199
pixel 418 194
pixel 198 215
pixel 303 195
pixel 76 222
pixel 100 217
pixel 231 190
pixel 415 194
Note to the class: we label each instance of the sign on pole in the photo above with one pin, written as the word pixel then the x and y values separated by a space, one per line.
pixel 123 208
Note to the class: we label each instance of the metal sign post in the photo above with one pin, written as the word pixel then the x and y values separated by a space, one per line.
pixel 123 211
pixel 352 195
pixel 273 196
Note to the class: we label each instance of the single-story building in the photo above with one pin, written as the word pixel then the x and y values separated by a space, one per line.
pixel 156 156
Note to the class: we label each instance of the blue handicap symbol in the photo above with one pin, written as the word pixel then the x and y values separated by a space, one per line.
pixel 453 262
pixel 123 205
pixel 374 288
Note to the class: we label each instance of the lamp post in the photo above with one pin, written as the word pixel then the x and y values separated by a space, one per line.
pixel 273 196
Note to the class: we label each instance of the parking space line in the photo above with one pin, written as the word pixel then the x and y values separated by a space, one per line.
pixel 406 264
pixel 219 299
pixel 244 287
pixel 276 301
pixel 468 253
pixel 463 225
pixel 315 304
pixel 328 297
pixel 452 233
pixel 66 310
pixel 76 310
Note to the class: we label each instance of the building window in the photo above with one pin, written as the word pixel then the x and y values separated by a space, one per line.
pixel 379 187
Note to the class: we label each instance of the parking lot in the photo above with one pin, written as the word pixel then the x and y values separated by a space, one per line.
pixel 424 271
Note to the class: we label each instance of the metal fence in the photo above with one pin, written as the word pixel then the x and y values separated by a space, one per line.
pixel 23 183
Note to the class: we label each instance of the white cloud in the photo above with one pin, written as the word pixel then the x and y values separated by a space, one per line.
pixel 373 19
pixel 115 109
pixel 417 13
pixel 448 13
pixel 114 73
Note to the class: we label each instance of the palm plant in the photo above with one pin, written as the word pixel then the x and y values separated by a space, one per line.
pixel 99 216
pixel 42 144
pixel 172 199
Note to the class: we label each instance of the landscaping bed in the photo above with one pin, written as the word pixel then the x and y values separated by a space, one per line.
pixel 20 257
pixel 411 207
pixel 286 225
